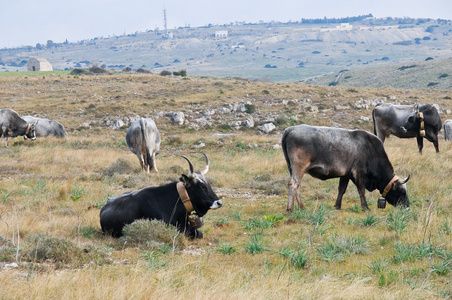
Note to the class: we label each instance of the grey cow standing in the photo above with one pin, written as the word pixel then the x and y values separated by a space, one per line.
pixel 46 127
pixel 448 130
pixel 143 139
pixel 407 121
pixel 12 125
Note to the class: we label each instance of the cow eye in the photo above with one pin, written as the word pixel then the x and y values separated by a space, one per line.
pixel 204 188
pixel 411 119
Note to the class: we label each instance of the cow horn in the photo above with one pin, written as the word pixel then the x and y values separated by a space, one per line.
pixel 403 181
pixel 206 169
pixel 190 164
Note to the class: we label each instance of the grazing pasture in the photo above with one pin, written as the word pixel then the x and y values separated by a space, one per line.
pixel 51 192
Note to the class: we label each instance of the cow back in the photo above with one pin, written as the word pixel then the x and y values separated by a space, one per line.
pixel 333 152
pixel 46 127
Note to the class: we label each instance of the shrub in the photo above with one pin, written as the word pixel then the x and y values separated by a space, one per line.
pixel 165 73
pixel 44 247
pixel 7 250
pixel 182 73
pixel 152 235
pixel 121 166
pixel 97 70
pixel 250 108
pixel 141 70
pixel 127 69
pixel 79 71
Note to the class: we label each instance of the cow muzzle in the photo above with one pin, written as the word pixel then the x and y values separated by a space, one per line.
pixel 404 130
pixel 216 204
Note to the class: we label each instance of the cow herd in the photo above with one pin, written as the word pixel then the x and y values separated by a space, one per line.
pixel 13 125
pixel 322 152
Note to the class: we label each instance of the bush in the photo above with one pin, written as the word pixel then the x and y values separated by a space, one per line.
pixel 165 73
pixel 127 69
pixel 152 235
pixel 97 70
pixel 121 166
pixel 182 73
pixel 44 247
pixel 78 71
pixel 141 70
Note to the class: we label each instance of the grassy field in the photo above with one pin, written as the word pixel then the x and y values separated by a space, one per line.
pixel 51 192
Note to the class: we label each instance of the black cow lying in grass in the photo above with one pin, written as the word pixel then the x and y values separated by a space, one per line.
pixel 171 203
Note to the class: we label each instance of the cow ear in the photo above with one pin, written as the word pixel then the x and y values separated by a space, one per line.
pixel 403 181
pixel 185 180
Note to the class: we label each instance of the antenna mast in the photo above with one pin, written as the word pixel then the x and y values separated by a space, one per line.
pixel 166 34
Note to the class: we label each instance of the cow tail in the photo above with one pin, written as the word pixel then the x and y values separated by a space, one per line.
pixel 373 121
pixel 284 149
pixel 145 142
pixel 446 132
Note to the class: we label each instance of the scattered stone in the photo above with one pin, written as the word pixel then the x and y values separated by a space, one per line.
pixel 248 123
pixel 266 128
pixel 178 117
pixel 115 124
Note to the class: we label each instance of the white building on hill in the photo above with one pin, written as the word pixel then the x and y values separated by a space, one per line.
pixel 39 64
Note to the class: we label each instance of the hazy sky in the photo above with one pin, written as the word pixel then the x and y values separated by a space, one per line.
pixel 27 22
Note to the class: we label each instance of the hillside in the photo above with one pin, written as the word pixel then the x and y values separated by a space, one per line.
pixel 52 190
pixel 279 52
pixel 431 73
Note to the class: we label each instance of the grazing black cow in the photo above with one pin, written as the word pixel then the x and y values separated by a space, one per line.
pixel 356 155
pixel 12 125
pixel 46 127
pixel 448 130
pixel 143 139
pixel 407 121
pixel 171 203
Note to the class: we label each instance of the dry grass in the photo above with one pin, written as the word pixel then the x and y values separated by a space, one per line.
pixel 55 188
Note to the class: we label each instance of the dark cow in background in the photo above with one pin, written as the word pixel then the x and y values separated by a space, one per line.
pixel 407 121
pixel 171 203
pixel 12 125
pixel 448 130
pixel 143 139
pixel 356 155
pixel 46 127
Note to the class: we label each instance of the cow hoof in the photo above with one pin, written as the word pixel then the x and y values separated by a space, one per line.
pixel 337 207
pixel 365 208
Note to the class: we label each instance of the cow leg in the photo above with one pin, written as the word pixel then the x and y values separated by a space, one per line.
pixel 362 196
pixel 153 165
pixel 381 134
pixel 294 191
pixel 420 143
pixel 435 143
pixel 6 141
pixel 140 159
pixel 343 183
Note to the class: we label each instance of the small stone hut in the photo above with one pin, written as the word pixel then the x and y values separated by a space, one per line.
pixel 39 64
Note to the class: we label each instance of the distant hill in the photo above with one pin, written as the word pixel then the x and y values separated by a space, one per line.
pixel 430 73
pixel 280 52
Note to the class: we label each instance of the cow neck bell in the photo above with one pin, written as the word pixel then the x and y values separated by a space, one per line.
pixel 195 221
pixel 381 203
pixel 421 130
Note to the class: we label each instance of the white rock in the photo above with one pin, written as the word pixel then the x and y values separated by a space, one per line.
pixel 266 128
